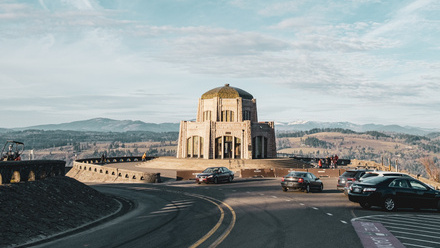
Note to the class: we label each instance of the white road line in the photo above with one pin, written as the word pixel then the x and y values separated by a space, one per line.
pixel 421 246
pixel 288 200
pixel 421 235
pixel 302 204
pixel 344 222
pixel 315 208
pixel 329 214
pixel 261 194
pixel 274 196
pixel 420 225
pixel 391 227
pixel 420 240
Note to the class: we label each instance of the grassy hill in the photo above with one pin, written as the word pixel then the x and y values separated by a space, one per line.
pixel 406 149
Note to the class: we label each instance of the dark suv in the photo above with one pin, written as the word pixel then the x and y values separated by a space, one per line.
pixel 348 177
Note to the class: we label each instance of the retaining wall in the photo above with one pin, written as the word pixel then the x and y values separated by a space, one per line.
pixel 30 170
pixel 86 172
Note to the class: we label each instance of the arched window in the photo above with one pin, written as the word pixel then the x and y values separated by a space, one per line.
pixel 195 147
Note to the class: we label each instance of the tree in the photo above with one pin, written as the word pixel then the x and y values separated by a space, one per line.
pixel 431 168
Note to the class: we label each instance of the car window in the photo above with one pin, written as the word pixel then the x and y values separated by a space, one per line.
pixel 399 183
pixel 312 176
pixel 370 175
pixel 349 174
pixel 297 174
pixel 417 185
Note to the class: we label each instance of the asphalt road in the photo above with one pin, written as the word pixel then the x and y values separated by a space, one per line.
pixel 244 213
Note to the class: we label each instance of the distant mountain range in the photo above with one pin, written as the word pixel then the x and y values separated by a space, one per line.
pixel 110 125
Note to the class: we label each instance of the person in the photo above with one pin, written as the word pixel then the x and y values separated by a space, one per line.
pixel 144 157
pixel 11 154
pixel 320 163
pixel 103 158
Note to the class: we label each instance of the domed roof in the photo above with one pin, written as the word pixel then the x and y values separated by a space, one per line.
pixel 227 92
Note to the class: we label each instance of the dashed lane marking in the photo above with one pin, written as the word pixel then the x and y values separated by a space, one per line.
pixel 329 214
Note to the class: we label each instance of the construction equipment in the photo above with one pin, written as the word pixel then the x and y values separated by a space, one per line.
pixel 12 151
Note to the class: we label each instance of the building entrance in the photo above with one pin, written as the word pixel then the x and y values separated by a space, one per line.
pixel 227 147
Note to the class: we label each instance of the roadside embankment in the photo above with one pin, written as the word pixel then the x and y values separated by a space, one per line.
pixel 31 211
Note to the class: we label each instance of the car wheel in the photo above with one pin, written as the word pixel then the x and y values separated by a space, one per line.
pixel 284 189
pixel 307 188
pixel 215 180
pixel 389 204
pixel 321 188
pixel 230 179
pixel 365 205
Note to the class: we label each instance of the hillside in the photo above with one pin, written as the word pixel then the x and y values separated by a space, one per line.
pixel 388 148
pixel 110 125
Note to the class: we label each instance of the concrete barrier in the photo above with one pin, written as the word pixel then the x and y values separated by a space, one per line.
pixel 250 173
pixel 187 174
pixel 30 170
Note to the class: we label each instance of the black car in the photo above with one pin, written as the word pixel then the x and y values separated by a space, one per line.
pixel 349 176
pixel 215 175
pixel 304 181
pixel 394 192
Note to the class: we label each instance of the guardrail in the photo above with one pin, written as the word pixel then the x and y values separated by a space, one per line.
pixel 112 160
pixel 262 173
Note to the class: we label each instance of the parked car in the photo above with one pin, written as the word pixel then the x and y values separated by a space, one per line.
pixel 348 177
pixel 370 174
pixel 301 180
pixel 394 192
pixel 215 175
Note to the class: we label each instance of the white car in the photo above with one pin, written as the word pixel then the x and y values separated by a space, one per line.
pixel 370 174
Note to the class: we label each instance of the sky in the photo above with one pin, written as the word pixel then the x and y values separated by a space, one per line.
pixel 359 61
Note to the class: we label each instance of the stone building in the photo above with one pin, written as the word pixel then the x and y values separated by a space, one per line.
pixel 226 127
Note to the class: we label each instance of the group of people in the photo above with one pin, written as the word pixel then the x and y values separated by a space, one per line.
pixel 328 162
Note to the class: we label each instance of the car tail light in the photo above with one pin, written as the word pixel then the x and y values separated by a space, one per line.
pixel 282 179
pixel 351 179
pixel 300 180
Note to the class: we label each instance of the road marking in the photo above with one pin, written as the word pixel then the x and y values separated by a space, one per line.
pixel 274 196
pixel 344 222
pixel 329 214
pixel 214 229
pixel 315 208
pixel 302 204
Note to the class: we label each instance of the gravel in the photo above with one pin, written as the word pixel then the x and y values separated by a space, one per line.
pixel 31 211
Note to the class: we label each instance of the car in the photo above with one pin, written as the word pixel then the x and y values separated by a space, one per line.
pixel 345 180
pixel 394 192
pixel 370 174
pixel 215 175
pixel 301 180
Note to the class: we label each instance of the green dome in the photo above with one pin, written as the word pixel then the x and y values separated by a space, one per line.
pixel 227 92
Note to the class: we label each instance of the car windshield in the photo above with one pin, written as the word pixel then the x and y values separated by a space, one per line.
pixel 376 180
pixel 349 174
pixel 369 175
pixel 211 170
pixel 296 174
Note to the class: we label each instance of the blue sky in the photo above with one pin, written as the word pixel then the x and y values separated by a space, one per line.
pixel 361 61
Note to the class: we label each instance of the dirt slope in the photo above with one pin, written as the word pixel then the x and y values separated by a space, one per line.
pixel 34 210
